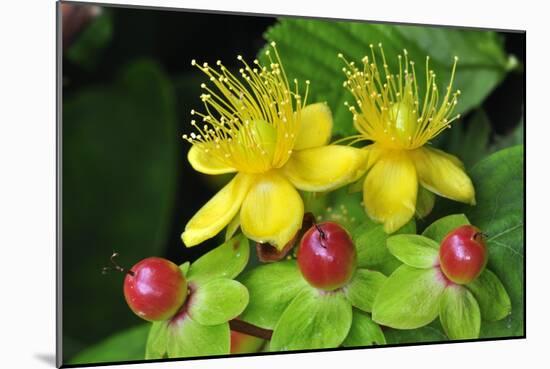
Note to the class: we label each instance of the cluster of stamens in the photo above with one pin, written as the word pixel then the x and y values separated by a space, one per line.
pixel 381 97
pixel 229 129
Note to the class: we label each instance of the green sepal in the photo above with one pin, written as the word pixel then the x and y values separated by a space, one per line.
pixel 232 227
pixel 225 261
pixel 357 186
pixel 271 288
pixel 459 313
pixel 425 201
pixel 414 250
pixel 217 301
pixel 441 227
pixel 491 296
pixel 370 241
pixel 409 298
pixel 185 268
pixel 363 288
pixel 314 319
pixel 363 331
pixel 156 341
pixel 187 338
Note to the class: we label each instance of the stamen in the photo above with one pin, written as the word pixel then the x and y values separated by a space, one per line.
pixel 240 112
pixel 375 94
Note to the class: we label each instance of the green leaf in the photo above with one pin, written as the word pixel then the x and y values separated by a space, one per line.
pixel 414 250
pixel 514 138
pixel 499 184
pixel 87 49
pixel 459 313
pixel 370 242
pixel 470 144
pixel 309 49
pixel 491 296
pixel 314 319
pixel 119 155
pixel 124 346
pixel 441 227
pixel 187 338
pixel 225 261
pixel 338 206
pixel 156 341
pixel 271 288
pixel 363 288
pixel 185 268
pixel 217 301
pixel 363 331
pixel 428 333
pixel 409 299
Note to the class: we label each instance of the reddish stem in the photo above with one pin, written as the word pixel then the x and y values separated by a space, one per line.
pixel 250 329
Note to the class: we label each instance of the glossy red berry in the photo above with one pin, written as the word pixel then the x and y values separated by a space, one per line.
pixel 155 289
pixel 326 256
pixel 463 254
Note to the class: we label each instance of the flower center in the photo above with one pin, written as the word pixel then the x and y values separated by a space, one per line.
pixel 258 138
pixel 403 122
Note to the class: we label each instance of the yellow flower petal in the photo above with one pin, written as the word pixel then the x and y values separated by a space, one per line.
pixel 272 211
pixel 373 153
pixel 217 212
pixel 389 191
pixel 205 163
pixel 315 126
pixel 324 168
pixel 443 174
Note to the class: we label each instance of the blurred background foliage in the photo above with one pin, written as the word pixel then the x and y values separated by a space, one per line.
pixel 127 90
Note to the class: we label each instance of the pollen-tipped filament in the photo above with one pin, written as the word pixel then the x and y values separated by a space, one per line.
pixel 389 109
pixel 250 123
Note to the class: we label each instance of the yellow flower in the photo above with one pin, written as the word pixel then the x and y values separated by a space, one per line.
pixel 260 128
pixel 403 173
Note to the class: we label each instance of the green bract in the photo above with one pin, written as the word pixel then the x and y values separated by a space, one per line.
pixel 491 296
pixel 370 241
pixel 363 331
pixel 362 289
pixel 314 319
pixel 271 288
pixel 413 250
pixel 417 292
pixel 459 313
pixel 409 298
pixel 303 317
pixel 201 327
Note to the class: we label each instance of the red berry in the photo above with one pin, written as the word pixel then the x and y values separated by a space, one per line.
pixel 463 254
pixel 327 256
pixel 155 289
